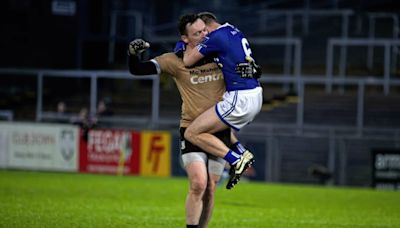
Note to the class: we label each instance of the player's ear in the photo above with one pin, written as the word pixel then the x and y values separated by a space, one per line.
pixel 185 39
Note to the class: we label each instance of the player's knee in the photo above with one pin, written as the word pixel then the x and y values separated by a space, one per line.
pixel 189 135
pixel 198 186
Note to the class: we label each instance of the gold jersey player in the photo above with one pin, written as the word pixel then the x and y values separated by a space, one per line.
pixel 200 87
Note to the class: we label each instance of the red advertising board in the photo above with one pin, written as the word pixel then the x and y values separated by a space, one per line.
pixel 110 151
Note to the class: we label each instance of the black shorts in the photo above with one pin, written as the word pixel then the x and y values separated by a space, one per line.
pixel 187 147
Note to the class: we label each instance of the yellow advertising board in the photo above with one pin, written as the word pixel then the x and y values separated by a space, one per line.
pixel 155 153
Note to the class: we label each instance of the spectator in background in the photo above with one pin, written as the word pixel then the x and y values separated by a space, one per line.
pixel 103 108
pixel 61 108
pixel 60 116
pixel 84 122
pixel 103 111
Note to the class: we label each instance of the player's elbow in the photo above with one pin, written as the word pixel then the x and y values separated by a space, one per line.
pixel 191 58
pixel 134 65
pixel 137 67
pixel 188 59
pixel 133 70
pixel 186 62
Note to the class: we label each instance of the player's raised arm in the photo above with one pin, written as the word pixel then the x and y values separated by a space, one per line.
pixel 191 56
pixel 136 66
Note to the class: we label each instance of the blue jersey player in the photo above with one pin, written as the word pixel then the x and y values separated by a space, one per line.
pixel 241 102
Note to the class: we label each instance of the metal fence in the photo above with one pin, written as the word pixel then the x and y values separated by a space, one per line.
pixel 299 82
pixel 42 74
pixel 288 153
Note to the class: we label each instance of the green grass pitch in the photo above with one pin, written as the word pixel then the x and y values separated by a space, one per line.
pixel 41 199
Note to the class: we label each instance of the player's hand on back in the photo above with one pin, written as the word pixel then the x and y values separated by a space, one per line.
pixel 137 46
pixel 257 71
pixel 249 69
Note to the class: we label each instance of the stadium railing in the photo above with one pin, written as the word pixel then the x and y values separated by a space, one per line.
pixel 372 20
pixel 298 81
pixel 301 82
pixel 41 74
pixel 305 18
pixel 386 43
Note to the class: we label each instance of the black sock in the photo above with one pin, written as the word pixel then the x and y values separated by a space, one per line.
pixel 191 226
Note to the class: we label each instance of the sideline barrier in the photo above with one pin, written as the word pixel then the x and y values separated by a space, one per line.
pixel 121 152
pixel 52 147
pixel 62 147
pixel 109 151
pixel 155 159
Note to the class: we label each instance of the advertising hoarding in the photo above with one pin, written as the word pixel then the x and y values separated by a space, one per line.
pixel 40 146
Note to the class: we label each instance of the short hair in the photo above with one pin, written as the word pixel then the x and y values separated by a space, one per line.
pixel 184 20
pixel 207 17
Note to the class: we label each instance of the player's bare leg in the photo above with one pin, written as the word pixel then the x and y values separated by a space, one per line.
pixel 200 132
pixel 208 200
pixel 197 174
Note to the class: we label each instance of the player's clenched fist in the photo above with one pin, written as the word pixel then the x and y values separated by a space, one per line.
pixel 137 46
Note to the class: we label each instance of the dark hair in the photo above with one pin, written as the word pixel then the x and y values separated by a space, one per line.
pixel 207 17
pixel 184 20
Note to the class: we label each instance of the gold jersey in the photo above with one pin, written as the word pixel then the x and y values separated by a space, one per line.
pixel 201 87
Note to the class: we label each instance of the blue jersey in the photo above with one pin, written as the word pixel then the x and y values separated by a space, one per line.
pixel 231 47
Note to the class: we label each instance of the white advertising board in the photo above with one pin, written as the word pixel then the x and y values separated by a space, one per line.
pixel 41 146
pixel 3 148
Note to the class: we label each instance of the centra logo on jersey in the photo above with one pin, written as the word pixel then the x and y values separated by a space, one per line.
pixel 206 78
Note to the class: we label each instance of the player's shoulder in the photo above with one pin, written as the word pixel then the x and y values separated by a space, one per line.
pixel 169 62
pixel 169 56
pixel 226 27
pixel 224 30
